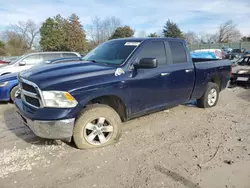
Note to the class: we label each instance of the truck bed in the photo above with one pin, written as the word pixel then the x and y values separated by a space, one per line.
pixel 209 68
pixel 199 60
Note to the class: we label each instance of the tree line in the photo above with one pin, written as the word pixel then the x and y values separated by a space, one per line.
pixel 68 34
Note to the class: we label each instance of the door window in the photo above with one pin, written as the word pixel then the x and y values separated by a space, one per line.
pixel 178 52
pixel 51 56
pixel 154 49
pixel 32 59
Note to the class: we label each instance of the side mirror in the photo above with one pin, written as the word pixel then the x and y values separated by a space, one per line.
pixel 146 63
pixel 22 63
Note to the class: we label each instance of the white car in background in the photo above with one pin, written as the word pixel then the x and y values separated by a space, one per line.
pixel 29 60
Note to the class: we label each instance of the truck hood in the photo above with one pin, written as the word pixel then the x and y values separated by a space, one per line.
pixel 238 67
pixel 54 74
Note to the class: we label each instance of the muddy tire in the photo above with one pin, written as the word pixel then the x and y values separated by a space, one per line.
pixel 210 96
pixel 12 93
pixel 99 125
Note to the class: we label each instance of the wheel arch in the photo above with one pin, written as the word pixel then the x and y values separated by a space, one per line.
pixel 217 80
pixel 10 90
pixel 114 101
pixel 5 73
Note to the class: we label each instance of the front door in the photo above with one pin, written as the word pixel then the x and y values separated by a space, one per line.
pixel 30 61
pixel 149 88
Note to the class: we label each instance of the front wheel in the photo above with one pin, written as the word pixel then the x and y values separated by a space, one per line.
pixel 97 126
pixel 12 93
pixel 210 96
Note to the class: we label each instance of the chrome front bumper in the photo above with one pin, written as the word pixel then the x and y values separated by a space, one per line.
pixel 61 129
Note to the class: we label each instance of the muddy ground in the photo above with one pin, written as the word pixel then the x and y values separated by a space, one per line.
pixel 183 147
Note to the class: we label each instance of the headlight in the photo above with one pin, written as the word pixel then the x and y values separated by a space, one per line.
pixel 243 71
pixel 3 84
pixel 58 99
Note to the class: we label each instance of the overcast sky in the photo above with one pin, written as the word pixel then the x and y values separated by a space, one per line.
pixel 194 15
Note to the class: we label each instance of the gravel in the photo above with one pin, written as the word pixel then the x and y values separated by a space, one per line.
pixel 182 147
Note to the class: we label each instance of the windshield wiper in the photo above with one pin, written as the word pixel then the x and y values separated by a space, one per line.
pixel 92 60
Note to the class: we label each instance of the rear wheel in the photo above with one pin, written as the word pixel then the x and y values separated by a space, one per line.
pixel 210 97
pixel 12 93
pixel 97 126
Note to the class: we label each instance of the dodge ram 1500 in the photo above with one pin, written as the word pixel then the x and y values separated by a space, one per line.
pixel 118 80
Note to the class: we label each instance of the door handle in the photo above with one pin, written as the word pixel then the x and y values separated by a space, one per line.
pixel 188 70
pixel 165 73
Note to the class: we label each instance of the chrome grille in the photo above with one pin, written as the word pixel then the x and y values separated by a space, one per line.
pixel 28 88
pixel 30 93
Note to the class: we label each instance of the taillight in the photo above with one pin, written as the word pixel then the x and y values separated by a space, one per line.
pixel 230 72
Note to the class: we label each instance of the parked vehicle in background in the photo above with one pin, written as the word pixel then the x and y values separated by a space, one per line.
pixel 241 71
pixel 2 62
pixel 203 54
pixel 226 49
pixel 119 80
pixel 60 60
pixel 9 82
pixel 8 86
pixel 225 52
pixel 212 53
pixel 236 53
pixel 7 60
pixel 28 60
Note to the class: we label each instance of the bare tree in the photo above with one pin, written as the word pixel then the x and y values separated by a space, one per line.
pixel 228 32
pixel 95 31
pixel 28 31
pixel 101 30
pixel 15 44
pixel 191 37
pixel 110 24
pixel 207 37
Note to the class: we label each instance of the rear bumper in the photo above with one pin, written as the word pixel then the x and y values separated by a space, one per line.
pixel 240 78
pixel 56 128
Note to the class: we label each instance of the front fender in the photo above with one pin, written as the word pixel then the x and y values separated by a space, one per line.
pixel 5 91
pixel 118 89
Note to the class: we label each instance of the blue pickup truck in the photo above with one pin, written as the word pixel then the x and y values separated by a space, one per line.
pixel 119 80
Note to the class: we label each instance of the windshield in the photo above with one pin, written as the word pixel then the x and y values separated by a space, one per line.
pixel 16 60
pixel 236 51
pixel 112 52
pixel 243 61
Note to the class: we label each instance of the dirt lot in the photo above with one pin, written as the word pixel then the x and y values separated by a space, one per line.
pixel 183 147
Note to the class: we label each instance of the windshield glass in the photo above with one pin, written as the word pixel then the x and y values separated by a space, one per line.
pixel 14 61
pixel 112 52
pixel 236 51
pixel 243 61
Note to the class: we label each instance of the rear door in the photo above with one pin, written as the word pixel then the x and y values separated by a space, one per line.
pixel 182 72
pixel 51 56
pixel 149 88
